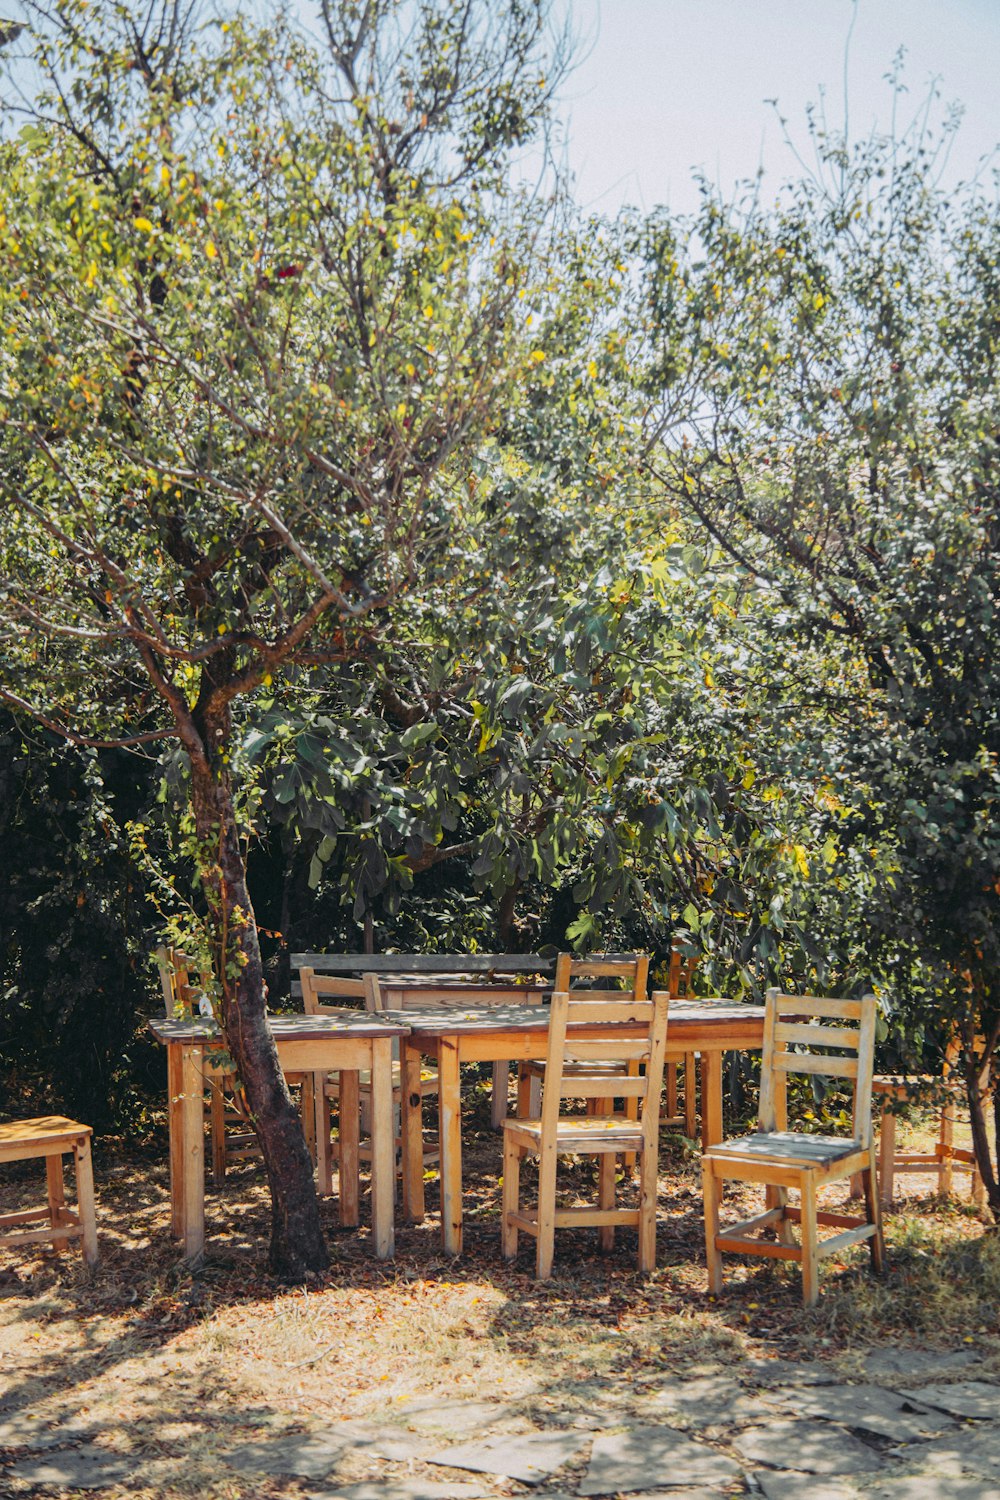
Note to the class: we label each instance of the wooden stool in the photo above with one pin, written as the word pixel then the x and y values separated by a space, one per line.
pixel 53 1137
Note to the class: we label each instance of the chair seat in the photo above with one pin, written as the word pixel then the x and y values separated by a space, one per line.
pixel 583 1133
pixel 43 1136
pixel 786 1146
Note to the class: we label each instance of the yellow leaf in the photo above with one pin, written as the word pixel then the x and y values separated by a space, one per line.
pixel 537 355
pixel 210 250
pixel 144 225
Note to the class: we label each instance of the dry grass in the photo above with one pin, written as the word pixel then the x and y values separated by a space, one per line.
pixel 145 1349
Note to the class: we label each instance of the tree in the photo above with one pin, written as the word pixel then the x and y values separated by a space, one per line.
pixel 262 300
pixel 825 383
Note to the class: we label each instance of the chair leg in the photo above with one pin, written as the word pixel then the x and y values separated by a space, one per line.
pixel 217 1117
pixel 349 1140
pixel 545 1249
pixel 887 1157
pixel 946 1146
pixel 711 1189
pixel 498 1103
pixel 607 1163
pixel 85 1200
pixel 648 1164
pixel 810 1242
pixel 324 1163
pixel 523 1092
pixel 511 1197
pixel 690 1096
pixel 873 1215
pixel 777 1197
pixel 57 1195
pixel 671 1090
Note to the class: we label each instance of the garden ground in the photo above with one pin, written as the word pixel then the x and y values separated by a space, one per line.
pixel 147 1379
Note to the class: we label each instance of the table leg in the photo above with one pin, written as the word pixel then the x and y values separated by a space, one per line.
pixel 321 1135
pixel 192 1154
pixel 383 1136
pixel 349 1146
pixel 450 1111
pixel 711 1099
pixel 175 1089
pixel 412 1125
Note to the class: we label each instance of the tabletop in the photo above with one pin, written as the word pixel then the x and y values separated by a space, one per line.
pixel 357 1023
pixel 456 1021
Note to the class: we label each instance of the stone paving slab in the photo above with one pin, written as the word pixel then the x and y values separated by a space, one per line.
pixel 916 1364
pixel 400 1489
pixel 76 1469
pixel 644 1458
pixel 966 1398
pixel 706 1401
pixel 802 1487
pixel 969 1450
pixel 527 1456
pixel 812 1447
pixel 453 1417
pixel 778 1371
pixel 870 1408
pixel 393 1443
pixel 306 1454
pixel 933 1487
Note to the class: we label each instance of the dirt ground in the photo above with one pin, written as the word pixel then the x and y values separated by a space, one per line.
pixel 144 1353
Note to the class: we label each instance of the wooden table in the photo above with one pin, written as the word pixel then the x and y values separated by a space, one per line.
pixel 520 1032
pixel 346 1043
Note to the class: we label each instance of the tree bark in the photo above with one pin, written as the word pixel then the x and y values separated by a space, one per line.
pixel 974 1080
pixel 297 1242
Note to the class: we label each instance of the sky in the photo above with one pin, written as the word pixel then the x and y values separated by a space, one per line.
pixel 664 86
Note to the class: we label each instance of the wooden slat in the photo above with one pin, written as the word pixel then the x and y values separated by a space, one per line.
pixel 610 1049
pixel 796 1034
pixel 769 1248
pixel 28 1216
pixel 600 1086
pixel 838 1242
pixel 759 1221
pixel 806 1062
pixel 36 1236
pixel 808 1006
pixel 611 1012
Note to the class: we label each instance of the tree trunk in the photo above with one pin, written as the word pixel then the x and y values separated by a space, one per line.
pixel 297 1243
pixel 974 1079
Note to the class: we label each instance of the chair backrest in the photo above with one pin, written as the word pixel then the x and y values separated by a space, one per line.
pixel 796 1027
pixel 175 981
pixel 323 993
pixel 679 974
pixel 614 1038
pixel 630 971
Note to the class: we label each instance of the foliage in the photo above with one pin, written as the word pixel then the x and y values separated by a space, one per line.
pixel 827 407
pixel 71 929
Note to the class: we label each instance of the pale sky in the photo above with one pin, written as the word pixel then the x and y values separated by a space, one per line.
pixel 667 85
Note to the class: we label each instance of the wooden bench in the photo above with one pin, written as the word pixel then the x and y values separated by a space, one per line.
pixel 53 1137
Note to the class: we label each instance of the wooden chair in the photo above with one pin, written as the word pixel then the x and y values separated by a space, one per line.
pixel 324 994
pixel 454 998
pixel 53 1137
pixel 630 974
pixel 946 1156
pixel 604 1134
pixel 231 1134
pixel 232 1138
pixel 678 986
pixel 783 1159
